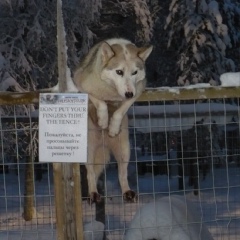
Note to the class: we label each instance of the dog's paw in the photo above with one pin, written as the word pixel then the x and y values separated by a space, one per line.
pixel 102 118
pixel 94 198
pixel 103 122
pixel 114 128
pixel 130 196
pixel 113 132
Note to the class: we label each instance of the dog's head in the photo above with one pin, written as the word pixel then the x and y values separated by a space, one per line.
pixel 123 66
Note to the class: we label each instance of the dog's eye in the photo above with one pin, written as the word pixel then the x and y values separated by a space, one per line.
pixel 134 73
pixel 119 72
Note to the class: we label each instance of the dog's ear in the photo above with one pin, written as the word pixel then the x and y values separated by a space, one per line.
pixel 144 52
pixel 106 52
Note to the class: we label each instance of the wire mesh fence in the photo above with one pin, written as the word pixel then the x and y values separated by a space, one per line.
pixel 188 149
pixel 26 190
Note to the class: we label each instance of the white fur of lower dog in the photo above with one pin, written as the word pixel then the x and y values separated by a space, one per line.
pixel 93 231
pixel 169 218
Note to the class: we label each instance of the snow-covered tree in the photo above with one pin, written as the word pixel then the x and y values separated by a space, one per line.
pixel 203 32
pixel 202 37
pixel 28 51
pixel 25 38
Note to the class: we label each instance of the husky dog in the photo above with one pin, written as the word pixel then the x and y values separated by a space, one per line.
pixel 113 70
pixel 100 146
pixel 169 218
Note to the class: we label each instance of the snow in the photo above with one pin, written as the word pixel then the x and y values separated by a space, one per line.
pixel 223 31
pixel 213 9
pixel 179 117
pixel 230 79
pixel 2 61
pixel 10 82
pixel 177 89
pixel 201 39
pixel 203 6
pixel 157 158
pixel 221 45
pixel 210 26
pixel 198 85
pixel 217 204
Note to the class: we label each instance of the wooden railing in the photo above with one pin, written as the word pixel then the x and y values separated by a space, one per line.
pixel 155 94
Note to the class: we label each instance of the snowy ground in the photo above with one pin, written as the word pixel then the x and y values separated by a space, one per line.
pixel 218 203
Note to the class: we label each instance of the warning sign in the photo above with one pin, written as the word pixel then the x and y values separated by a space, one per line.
pixel 63 127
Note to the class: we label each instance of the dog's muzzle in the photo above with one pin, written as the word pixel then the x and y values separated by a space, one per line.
pixel 128 94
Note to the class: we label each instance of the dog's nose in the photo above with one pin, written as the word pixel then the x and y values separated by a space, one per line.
pixel 128 94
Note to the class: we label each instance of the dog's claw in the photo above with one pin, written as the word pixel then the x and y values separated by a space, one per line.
pixel 130 196
pixel 94 198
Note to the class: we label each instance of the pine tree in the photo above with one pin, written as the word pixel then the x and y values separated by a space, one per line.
pixel 203 33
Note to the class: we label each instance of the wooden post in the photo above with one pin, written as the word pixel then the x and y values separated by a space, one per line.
pixel 68 199
pixel 29 208
pixel 100 206
pixel 59 201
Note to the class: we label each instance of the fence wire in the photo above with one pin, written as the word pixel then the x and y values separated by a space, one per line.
pixel 26 191
pixel 188 149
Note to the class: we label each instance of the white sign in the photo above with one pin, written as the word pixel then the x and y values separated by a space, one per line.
pixel 63 127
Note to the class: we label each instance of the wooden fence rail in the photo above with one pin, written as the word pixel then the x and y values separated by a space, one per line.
pixel 160 94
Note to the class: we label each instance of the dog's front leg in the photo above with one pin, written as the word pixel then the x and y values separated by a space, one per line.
pixel 102 111
pixel 116 120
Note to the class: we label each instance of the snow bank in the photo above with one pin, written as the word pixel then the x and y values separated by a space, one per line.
pixel 230 79
pixel 167 218
pixel 93 231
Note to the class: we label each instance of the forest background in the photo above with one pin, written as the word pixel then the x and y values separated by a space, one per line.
pixel 194 40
